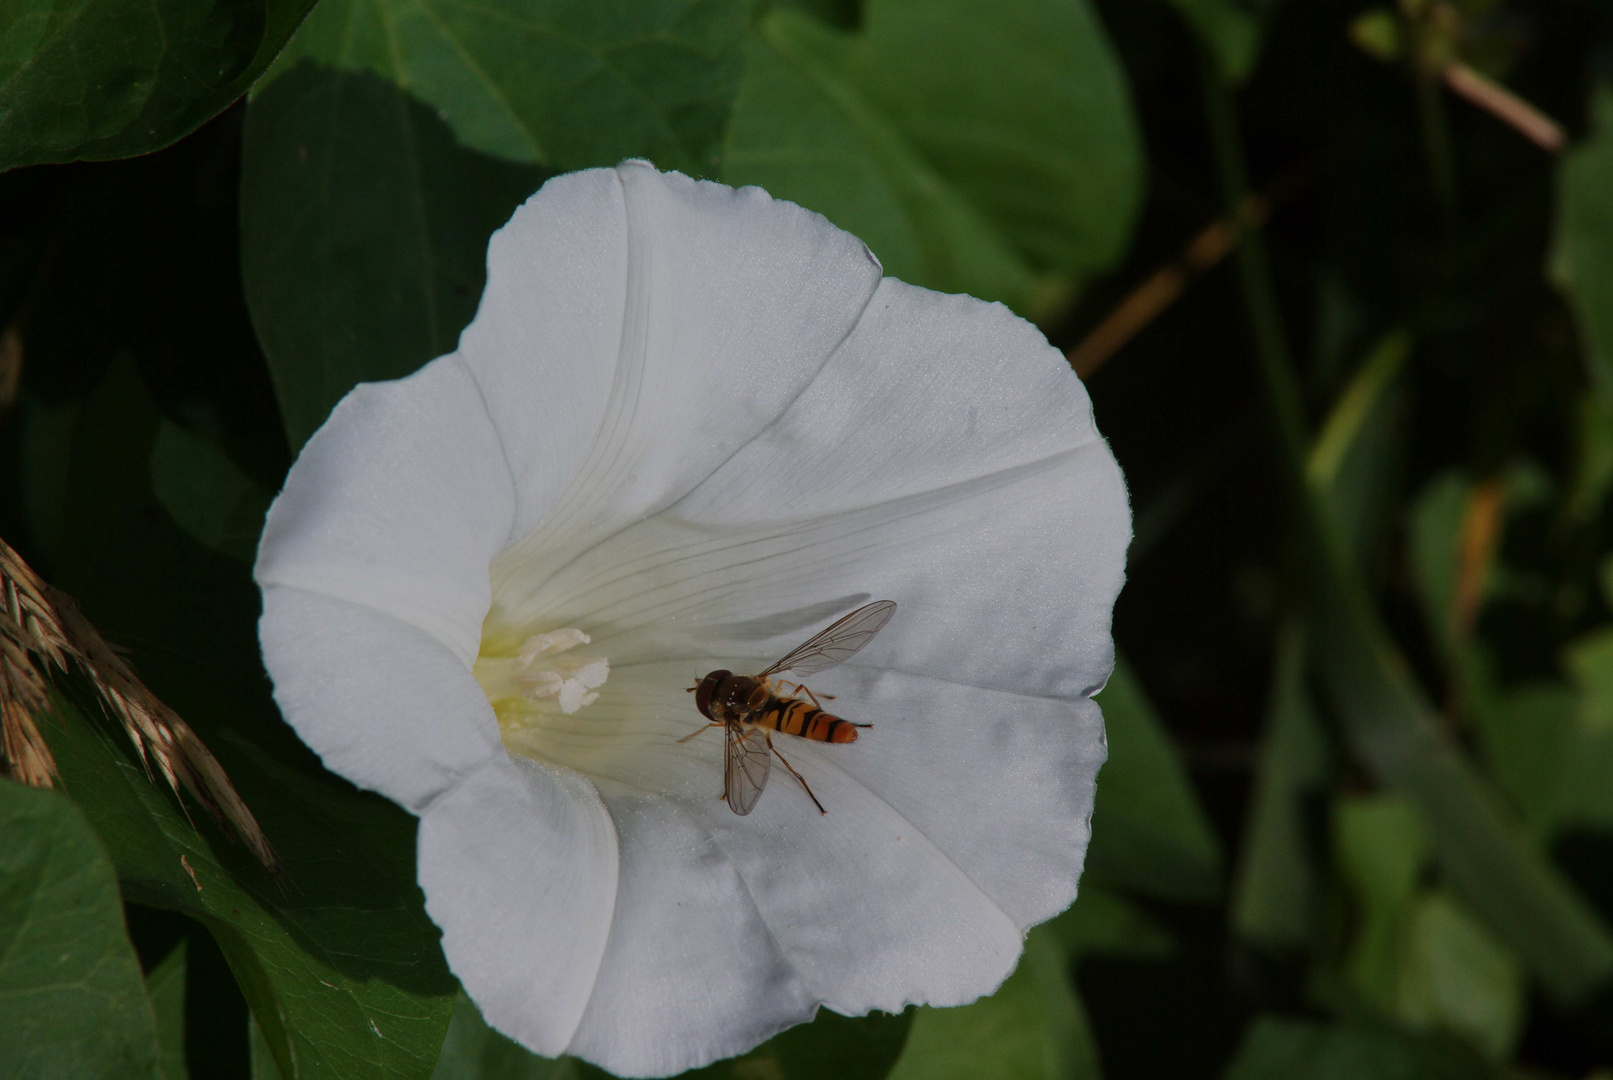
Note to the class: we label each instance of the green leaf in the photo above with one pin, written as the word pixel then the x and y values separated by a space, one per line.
pixel 1526 732
pixel 1281 1049
pixel 831 1047
pixel 1380 34
pixel 803 135
pixel 1033 1028
pixel 1487 856
pixel 1233 31
pixel 165 985
pixel 1277 895
pixel 1590 662
pixel 98 79
pixel 1104 922
pixel 70 984
pixel 1354 456
pixel 261 1056
pixel 1581 260
pixel 1381 852
pixel 1456 977
pixel 364 232
pixel 206 493
pixel 1593 465
pixel 1531 737
pixel 1437 521
pixel 338 961
pixel 564 83
pixel 1436 530
pixel 474 1051
pixel 1587 798
pixel 1418 956
pixel 470 1051
pixel 1148 831
pixel 339 964
pixel 971 144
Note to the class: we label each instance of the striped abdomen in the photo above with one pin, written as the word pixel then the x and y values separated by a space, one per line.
pixel 804 720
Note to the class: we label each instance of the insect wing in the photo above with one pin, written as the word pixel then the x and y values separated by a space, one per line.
pixel 837 643
pixel 747 765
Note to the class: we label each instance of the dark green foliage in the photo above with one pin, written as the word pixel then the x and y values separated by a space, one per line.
pixel 1359 799
pixel 974 146
pixel 563 83
pixel 97 79
pixel 69 980
pixel 364 233
pixel 1277 1049
pixel 340 943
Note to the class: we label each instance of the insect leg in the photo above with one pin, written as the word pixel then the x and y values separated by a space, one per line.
pixel 697 731
pixel 800 688
pixel 797 775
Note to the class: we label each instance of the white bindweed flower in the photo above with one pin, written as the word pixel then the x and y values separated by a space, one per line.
pixel 689 427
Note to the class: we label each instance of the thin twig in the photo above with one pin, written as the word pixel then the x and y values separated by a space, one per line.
pixel 1164 286
pixel 42 628
pixel 1504 105
pixel 10 365
pixel 1482 519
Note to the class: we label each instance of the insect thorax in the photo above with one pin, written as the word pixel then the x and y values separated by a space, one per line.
pixel 733 698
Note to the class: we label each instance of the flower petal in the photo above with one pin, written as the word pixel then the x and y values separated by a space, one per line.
pixel 398 503
pixel 1004 581
pixel 930 390
pixel 944 457
pixel 382 703
pixel 691 973
pixel 1001 783
pixel 519 866
pixel 638 328
pixel 960 819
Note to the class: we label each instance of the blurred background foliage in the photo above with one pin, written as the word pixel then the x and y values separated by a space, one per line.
pixel 1339 276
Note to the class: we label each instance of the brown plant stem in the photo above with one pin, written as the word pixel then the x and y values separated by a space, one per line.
pixel 1165 285
pixel 1481 90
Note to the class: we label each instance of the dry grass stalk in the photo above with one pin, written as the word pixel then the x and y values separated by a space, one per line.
pixel 10 365
pixel 1149 300
pixel 40 625
pixel 1482 520
pixel 1506 106
pixel 1146 302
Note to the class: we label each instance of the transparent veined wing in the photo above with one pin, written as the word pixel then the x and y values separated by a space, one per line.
pixel 747 763
pixel 837 643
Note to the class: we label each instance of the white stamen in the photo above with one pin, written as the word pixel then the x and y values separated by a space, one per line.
pixel 542 673
pixel 556 641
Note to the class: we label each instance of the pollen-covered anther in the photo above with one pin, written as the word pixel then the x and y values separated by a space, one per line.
pixel 544 671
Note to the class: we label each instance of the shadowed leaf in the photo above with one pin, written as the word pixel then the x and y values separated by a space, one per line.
pixel 337 959
pixel 1148 830
pixel 971 145
pixel 98 79
pixel 1282 1049
pixel 1033 1028
pixel 364 233
pixel 1277 897
pixel 70 984
pixel 564 83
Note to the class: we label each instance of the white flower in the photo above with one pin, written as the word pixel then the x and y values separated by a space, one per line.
pixel 688 427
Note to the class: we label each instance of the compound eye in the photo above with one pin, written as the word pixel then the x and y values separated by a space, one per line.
pixel 702 696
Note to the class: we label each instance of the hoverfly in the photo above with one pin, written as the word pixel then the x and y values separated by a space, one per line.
pixel 749 709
